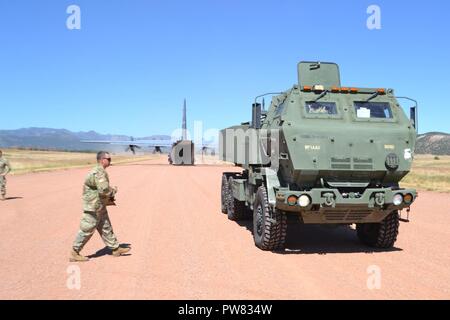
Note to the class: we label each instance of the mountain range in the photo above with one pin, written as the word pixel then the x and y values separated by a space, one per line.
pixel 436 143
pixel 62 139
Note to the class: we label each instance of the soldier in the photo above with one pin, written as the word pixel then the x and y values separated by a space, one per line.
pixel 5 168
pixel 97 195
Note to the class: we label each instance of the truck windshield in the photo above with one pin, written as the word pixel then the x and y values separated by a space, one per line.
pixel 378 110
pixel 321 108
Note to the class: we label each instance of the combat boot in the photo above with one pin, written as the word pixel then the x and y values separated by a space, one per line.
pixel 77 257
pixel 119 251
pixel 2 197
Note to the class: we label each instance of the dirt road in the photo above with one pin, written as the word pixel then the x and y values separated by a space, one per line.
pixel 184 248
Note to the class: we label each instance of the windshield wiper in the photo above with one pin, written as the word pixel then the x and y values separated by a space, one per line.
pixel 376 94
pixel 323 94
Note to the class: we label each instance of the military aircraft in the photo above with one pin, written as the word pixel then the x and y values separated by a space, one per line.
pixel 178 148
pixel 132 144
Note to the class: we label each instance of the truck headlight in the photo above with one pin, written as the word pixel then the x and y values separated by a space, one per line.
pixel 408 198
pixel 398 199
pixel 304 201
pixel 292 200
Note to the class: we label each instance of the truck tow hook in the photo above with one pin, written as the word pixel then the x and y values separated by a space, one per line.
pixel 407 216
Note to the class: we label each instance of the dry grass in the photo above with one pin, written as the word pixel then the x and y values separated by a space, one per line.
pixel 429 174
pixel 25 161
pixel 211 160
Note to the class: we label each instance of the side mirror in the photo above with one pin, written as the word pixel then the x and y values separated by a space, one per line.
pixel 413 113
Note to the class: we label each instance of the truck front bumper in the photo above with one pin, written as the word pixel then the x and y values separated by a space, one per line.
pixel 334 207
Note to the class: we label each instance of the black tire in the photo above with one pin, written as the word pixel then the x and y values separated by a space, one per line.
pixel 269 225
pixel 236 209
pixel 380 235
pixel 224 194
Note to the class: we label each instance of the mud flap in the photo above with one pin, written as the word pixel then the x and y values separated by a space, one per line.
pixel 272 182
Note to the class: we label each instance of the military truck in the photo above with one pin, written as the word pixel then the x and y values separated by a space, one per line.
pixel 321 154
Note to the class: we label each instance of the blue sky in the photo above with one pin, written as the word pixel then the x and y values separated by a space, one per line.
pixel 133 62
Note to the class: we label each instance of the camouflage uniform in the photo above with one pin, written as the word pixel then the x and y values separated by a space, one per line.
pixel 96 195
pixel 4 169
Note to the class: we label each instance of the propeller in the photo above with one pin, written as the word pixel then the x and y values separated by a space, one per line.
pixel 157 149
pixel 132 147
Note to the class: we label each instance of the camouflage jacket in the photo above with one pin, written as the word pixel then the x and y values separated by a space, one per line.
pixel 96 190
pixel 4 166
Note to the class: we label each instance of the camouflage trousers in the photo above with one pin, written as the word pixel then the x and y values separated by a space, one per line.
pixel 2 185
pixel 91 221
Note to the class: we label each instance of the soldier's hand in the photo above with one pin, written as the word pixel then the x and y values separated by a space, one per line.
pixel 114 189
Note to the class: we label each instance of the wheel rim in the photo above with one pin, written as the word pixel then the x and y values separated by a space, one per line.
pixel 259 220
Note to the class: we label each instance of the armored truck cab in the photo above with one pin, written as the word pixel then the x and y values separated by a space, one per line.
pixel 323 153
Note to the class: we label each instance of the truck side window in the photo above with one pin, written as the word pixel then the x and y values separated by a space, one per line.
pixel 280 109
pixel 377 110
pixel 326 108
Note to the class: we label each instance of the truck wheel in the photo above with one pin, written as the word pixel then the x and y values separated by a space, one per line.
pixel 236 209
pixel 380 235
pixel 269 225
pixel 224 194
